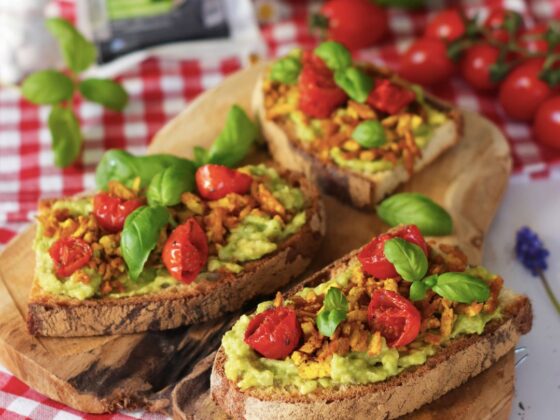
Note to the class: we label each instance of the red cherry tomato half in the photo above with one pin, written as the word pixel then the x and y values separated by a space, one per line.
pixel 522 91
pixel 476 63
pixel 533 39
pixel 186 251
pixel 394 316
pixel 69 254
pixel 355 23
pixel 547 123
pixel 372 256
pixel 274 333
pixel 495 23
pixel 388 97
pixel 111 212
pixel 217 181
pixel 426 62
pixel 447 25
pixel 319 95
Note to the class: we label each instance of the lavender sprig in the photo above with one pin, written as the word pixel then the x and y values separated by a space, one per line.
pixel 530 251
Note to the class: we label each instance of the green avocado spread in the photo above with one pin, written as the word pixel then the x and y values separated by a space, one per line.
pixel 253 237
pixel 245 367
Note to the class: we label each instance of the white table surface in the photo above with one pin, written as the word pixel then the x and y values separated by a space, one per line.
pixel 537 205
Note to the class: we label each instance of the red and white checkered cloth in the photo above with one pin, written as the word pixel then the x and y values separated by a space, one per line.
pixel 158 90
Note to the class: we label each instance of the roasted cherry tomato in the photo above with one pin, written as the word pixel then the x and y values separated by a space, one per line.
pixel 355 23
pixel 447 25
pixel 186 251
pixel 547 122
pixel 388 97
pixel 319 95
pixel 426 62
pixel 495 23
pixel 69 254
pixel 394 316
pixel 217 181
pixel 111 212
pixel 274 333
pixel 533 40
pixel 372 256
pixel 522 91
pixel 476 63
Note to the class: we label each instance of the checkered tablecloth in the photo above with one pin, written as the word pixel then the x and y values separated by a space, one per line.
pixel 158 90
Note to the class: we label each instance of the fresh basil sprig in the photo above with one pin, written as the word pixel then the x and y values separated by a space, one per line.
pixel 233 143
pixel 140 235
pixel 369 134
pixel 124 167
pixel 166 187
pixel 355 82
pixel 52 87
pixel 335 55
pixel 408 258
pixel 416 209
pixel 458 287
pixel 286 70
pixel 333 312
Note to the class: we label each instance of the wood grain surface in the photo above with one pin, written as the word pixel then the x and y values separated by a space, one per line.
pixel 105 373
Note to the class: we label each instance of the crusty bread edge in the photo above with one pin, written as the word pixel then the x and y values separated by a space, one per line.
pixel 361 190
pixel 50 315
pixel 453 365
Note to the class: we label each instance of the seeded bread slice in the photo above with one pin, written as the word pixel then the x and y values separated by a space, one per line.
pixel 60 316
pixel 359 189
pixel 450 367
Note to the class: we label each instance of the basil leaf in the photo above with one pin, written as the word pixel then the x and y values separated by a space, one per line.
pixel 200 155
pixel 333 312
pixel 47 87
pixel 286 70
pixel 105 92
pixel 122 166
pixel 354 82
pixel 140 234
pixel 235 140
pixel 78 53
pixel 369 134
pixel 168 185
pixel 419 288
pixel 409 259
pixel 416 209
pixel 335 55
pixel 461 287
pixel 66 136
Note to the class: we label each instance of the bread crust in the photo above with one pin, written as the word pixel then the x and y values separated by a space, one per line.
pixel 359 189
pixel 61 316
pixel 450 367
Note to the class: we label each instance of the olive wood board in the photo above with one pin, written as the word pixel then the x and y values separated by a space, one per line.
pixel 100 374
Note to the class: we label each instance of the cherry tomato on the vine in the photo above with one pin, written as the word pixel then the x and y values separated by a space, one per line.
pixel 533 39
pixel 69 254
pixel 447 25
pixel 186 251
pixel 217 181
pixel 426 62
pixel 496 20
pixel 476 63
pixel 522 91
pixel 547 123
pixel 355 23
pixel 394 316
pixel 372 256
pixel 111 212
pixel 319 95
pixel 274 333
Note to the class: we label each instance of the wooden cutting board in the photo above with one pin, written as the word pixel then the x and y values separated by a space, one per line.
pixel 105 373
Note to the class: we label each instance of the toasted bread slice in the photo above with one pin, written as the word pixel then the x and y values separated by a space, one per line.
pixel 463 358
pixel 357 188
pixel 60 316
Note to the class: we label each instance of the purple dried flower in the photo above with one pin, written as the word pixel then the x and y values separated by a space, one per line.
pixel 530 251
